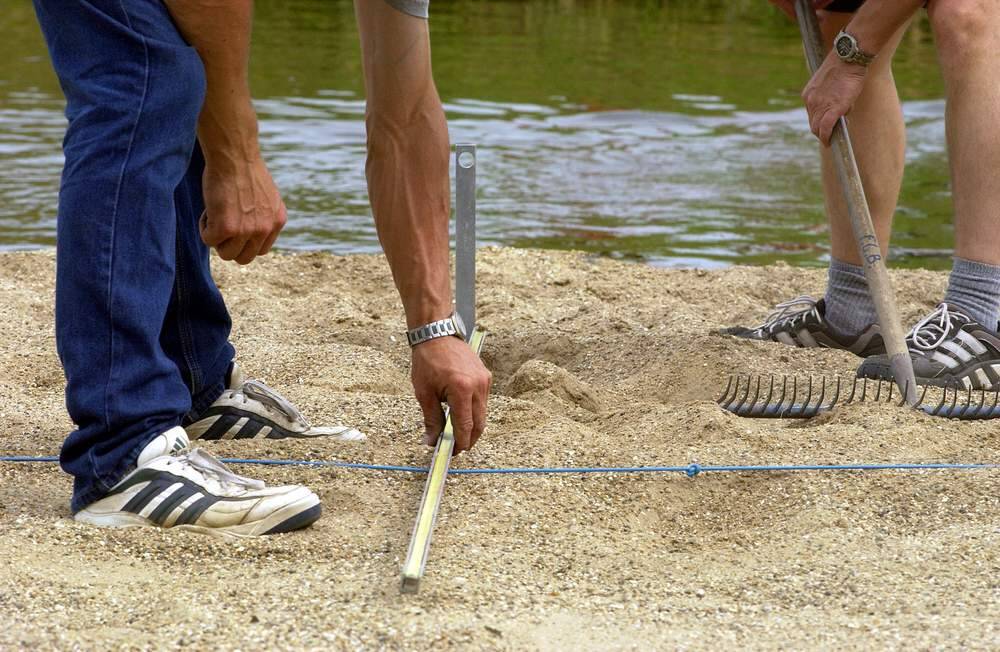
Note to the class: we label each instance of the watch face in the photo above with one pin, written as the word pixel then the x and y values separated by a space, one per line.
pixel 844 45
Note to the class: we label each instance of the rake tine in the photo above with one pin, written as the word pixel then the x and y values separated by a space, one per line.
pixel 776 409
pixel 795 395
pixel 836 395
pixel 822 395
pixel 878 390
pixel 756 395
pixel 864 388
pixel 968 402
pixel 722 400
pixel 739 405
pixel 755 412
pixel 805 401
pixel 977 413
pixel 944 397
pixel 954 399
pixel 854 388
pixel 920 401
pixel 993 408
pixel 888 399
pixel 906 390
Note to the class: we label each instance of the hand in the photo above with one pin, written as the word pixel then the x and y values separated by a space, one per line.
pixel 831 93
pixel 243 209
pixel 788 6
pixel 446 369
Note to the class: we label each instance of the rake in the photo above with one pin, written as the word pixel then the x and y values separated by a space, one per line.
pixel 751 396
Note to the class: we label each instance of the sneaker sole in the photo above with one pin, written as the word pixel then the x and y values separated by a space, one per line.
pixel 295 516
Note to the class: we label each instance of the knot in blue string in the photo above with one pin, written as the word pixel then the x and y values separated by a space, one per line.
pixel 693 469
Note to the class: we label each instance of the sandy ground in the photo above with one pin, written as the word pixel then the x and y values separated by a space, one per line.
pixel 595 363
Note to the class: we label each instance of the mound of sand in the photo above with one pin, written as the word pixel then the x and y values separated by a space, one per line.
pixel 595 363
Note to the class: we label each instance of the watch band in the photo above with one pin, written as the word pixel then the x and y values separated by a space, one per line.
pixel 849 51
pixel 450 327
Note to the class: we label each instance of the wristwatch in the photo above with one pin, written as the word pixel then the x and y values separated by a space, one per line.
pixel 849 51
pixel 451 327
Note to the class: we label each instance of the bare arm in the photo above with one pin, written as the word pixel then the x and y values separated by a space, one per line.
pixel 244 211
pixel 408 186
pixel 835 87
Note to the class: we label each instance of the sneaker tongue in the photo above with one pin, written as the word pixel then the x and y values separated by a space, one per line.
pixel 172 441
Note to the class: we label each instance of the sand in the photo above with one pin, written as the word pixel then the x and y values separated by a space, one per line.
pixel 595 362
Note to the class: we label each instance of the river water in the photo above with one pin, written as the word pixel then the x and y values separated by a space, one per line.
pixel 668 132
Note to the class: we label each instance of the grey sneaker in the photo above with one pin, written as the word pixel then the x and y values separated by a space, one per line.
pixel 800 322
pixel 172 487
pixel 249 409
pixel 948 349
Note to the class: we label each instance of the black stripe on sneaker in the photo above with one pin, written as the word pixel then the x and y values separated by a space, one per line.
pixel 159 515
pixel 221 426
pixel 277 432
pixel 249 429
pixel 153 489
pixel 195 509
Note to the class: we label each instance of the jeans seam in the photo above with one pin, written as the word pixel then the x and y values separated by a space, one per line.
pixel 184 326
pixel 114 217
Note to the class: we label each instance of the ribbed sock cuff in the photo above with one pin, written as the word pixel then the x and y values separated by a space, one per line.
pixel 849 305
pixel 974 288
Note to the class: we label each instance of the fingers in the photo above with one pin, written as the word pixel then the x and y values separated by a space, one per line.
pixel 826 126
pixel 479 400
pixel 462 420
pixel 433 416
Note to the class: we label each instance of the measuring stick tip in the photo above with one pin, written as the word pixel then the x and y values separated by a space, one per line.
pixel 410 584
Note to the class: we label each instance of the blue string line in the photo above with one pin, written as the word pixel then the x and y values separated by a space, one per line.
pixel 691 470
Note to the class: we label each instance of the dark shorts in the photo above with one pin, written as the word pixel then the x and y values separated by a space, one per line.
pixel 416 8
pixel 845 6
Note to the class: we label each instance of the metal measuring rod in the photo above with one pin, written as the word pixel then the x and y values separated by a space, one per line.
pixel 465 305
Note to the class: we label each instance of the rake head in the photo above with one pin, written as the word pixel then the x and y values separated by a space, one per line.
pixel 752 396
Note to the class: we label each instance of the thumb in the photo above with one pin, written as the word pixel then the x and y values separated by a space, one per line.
pixel 433 417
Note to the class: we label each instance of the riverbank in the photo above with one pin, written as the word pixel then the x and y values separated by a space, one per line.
pixel 596 363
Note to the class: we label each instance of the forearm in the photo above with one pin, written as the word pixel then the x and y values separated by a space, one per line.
pixel 408 184
pixel 220 31
pixel 877 21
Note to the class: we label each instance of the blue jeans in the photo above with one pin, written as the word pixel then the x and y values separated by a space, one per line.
pixel 141 328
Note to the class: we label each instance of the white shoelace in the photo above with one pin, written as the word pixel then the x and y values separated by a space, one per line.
pixel 931 331
pixel 206 464
pixel 254 390
pixel 787 311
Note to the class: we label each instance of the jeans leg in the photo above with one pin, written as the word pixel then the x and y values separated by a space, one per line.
pixel 133 90
pixel 196 332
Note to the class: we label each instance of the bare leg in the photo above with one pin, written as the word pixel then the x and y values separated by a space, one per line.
pixel 876 122
pixel 968 40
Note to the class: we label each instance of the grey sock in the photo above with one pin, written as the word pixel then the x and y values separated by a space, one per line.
pixel 849 306
pixel 974 288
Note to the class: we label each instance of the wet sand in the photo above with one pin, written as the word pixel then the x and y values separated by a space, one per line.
pixel 596 363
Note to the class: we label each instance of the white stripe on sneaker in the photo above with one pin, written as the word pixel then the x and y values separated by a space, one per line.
pixel 785 338
pixel 807 339
pixel 235 428
pixel 957 351
pixel 947 361
pixel 177 511
pixel 263 432
pixel 984 380
pixel 971 342
pixel 159 498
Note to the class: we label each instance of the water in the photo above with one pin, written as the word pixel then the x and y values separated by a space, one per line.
pixel 668 132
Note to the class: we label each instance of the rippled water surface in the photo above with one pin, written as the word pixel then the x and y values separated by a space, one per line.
pixel 663 131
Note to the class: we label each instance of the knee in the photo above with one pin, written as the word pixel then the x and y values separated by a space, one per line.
pixel 960 27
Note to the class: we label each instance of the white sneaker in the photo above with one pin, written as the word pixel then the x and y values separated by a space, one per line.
pixel 249 409
pixel 191 490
